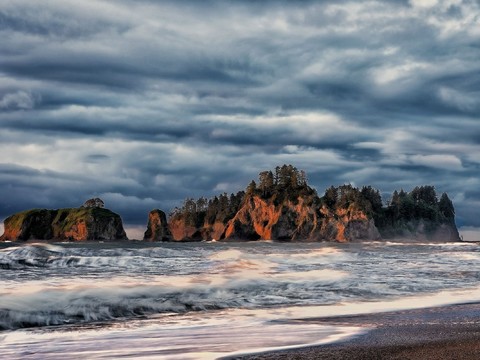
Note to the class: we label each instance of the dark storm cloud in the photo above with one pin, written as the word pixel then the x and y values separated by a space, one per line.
pixel 144 103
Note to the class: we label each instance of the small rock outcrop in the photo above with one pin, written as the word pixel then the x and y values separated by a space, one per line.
pixel 157 228
pixel 75 224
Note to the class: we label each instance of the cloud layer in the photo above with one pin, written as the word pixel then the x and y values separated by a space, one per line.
pixel 144 103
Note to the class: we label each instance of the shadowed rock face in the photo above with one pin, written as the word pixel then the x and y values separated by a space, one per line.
pixel 423 230
pixel 157 228
pixel 182 231
pixel 446 232
pixel 64 224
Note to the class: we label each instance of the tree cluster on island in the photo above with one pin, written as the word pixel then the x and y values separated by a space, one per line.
pixel 287 183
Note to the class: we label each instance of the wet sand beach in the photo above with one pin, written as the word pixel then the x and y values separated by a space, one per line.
pixel 448 332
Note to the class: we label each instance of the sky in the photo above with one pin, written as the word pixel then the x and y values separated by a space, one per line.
pixel 145 103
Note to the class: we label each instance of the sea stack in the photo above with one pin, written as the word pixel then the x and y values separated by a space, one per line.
pixel 283 207
pixel 92 222
pixel 157 228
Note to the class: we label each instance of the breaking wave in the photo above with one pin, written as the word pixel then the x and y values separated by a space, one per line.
pixel 44 285
pixel 34 255
pixel 115 298
pixel 228 278
pixel 44 255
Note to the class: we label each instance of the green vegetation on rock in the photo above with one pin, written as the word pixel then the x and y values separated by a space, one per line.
pixel 417 211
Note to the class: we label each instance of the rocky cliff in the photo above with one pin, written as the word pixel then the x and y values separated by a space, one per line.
pixel 157 228
pixel 284 207
pixel 422 230
pixel 298 221
pixel 64 224
pixel 181 230
pixel 262 219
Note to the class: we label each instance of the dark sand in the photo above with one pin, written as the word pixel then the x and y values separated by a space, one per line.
pixel 449 332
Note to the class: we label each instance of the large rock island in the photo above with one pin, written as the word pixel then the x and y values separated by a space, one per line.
pixel 88 222
pixel 284 207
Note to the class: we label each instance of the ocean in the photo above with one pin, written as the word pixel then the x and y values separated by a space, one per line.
pixel 211 300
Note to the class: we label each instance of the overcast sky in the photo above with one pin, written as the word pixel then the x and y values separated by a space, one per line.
pixel 144 103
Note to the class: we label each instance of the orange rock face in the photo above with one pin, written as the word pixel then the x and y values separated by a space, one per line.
pixel 347 225
pixel 262 219
pixel 10 233
pixel 181 231
pixel 256 218
pixel 157 228
pixel 217 230
pixel 77 232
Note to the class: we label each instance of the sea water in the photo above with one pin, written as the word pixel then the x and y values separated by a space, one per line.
pixel 208 300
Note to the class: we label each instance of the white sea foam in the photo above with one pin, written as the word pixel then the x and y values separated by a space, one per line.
pixel 53 256
pixel 410 242
pixel 231 254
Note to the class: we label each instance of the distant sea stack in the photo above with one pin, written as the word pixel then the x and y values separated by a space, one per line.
pixel 157 227
pixel 284 207
pixel 88 222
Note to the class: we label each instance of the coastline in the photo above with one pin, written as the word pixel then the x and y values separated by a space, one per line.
pixel 446 332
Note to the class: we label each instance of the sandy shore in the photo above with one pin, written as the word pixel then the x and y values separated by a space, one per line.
pixel 449 332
